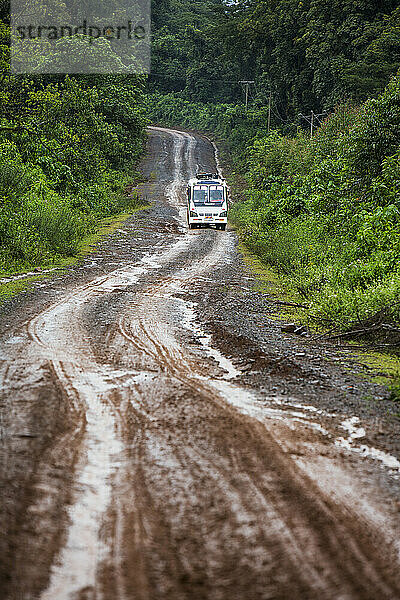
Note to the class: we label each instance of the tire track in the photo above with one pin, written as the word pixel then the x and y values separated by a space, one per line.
pixel 311 546
pixel 177 494
pixel 62 340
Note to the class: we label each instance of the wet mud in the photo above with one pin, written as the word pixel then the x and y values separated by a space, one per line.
pixel 161 438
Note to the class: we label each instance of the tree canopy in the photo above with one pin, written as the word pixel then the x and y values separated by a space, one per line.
pixel 310 54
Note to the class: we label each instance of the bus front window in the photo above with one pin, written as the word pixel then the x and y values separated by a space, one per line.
pixel 200 195
pixel 216 194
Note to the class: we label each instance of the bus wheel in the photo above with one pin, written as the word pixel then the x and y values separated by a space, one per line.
pixel 223 226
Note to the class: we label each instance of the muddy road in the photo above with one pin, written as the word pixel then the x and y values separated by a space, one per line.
pixel 161 438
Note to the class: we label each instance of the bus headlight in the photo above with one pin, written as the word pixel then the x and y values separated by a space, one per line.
pixel 193 214
pixel 224 213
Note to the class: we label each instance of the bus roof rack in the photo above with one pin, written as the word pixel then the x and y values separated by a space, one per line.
pixel 201 175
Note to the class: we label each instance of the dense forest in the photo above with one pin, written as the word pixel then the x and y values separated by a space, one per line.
pixel 309 55
pixel 69 147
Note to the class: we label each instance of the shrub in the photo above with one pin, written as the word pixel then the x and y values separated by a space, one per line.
pixel 327 215
pixel 64 161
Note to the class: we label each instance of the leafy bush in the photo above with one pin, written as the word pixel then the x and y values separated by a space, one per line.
pixel 326 212
pixel 66 156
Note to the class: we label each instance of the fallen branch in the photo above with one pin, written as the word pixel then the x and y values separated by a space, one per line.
pixel 326 334
pixel 357 332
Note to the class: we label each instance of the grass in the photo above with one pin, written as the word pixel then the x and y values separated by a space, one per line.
pixel 384 370
pixel 106 227
pixel 272 284
pixel 269 282
pixel 12 288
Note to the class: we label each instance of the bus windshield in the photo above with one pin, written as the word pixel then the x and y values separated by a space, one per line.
pixel 208 194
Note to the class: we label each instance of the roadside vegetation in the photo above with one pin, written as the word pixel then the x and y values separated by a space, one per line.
pixel 68 150
pixel 325 212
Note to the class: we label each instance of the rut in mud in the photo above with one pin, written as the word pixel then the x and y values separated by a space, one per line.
pixel 161 474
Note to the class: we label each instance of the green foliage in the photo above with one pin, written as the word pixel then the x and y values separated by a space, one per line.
pixel 311 55
pixel 325 212
pixel 229 121
pixel 378 134
pixel 188 49
pixel 68 148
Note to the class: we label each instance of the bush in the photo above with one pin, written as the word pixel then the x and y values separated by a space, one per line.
pixel 325 212
pixel 65 160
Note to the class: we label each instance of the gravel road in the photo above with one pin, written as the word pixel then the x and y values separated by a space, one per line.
pixel 163 439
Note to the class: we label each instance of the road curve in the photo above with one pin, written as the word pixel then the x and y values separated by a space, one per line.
pixel 172 485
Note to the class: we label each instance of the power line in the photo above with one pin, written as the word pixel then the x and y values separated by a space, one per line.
pixel 278 116
pixel 311 119
pixel 174 78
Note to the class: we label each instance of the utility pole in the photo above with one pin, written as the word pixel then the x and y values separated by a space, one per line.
pixel 247 85
pixel 311 119
pixel 269 111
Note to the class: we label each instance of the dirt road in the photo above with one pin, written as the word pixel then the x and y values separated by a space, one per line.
pixel 161 439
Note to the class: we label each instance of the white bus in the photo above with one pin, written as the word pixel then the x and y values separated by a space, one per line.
pixel 207 201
